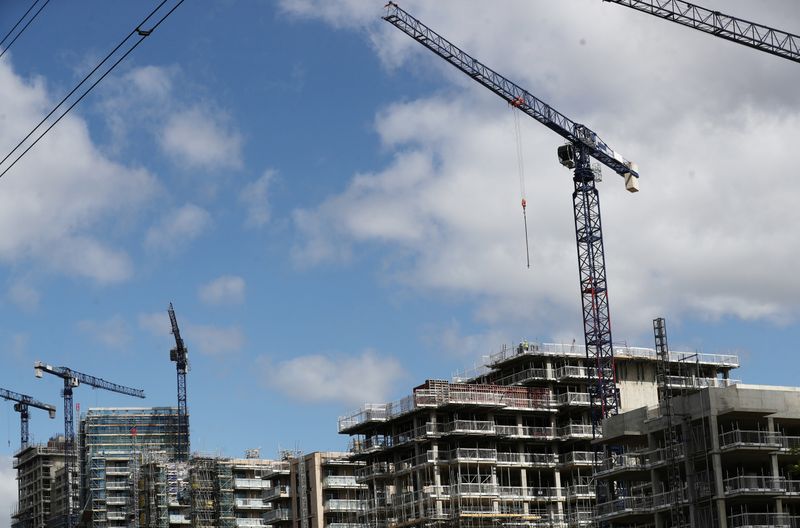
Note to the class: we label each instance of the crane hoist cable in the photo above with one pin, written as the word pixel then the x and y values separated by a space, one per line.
pixel 22 30
pixel 521 170
pixel 137 31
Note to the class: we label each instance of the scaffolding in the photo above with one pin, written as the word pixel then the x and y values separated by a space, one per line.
pixel 203 497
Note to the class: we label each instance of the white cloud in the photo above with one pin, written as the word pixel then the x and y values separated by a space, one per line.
pixel 351 380
pixel 24 296
pixel 178 228
pixel 112 332
pixel 208 340
pixel 255 196
pixel 212 340
pixel 228 289
pixel 64 190
pixel 8 487
pixel 705 237
pixel 202 138
pixel 156 324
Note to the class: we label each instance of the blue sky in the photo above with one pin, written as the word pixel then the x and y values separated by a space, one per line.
pixel 335 214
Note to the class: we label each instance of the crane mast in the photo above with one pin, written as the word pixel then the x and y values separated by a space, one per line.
pixel 73 379
pixel 758 36
pixel 23 402
pixel 582 145
pixel 179 355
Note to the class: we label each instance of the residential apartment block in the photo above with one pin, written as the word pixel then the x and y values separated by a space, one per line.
pixel 734 457
pixel 506 445
pixel 324 491
pixel 36 467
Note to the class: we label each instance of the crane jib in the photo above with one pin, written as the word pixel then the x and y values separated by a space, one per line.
pixel 512 92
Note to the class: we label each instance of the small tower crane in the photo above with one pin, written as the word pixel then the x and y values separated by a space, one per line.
pixel 179 355
pixel 73 379
pixel 24 401
pixel 582 144
pixel 720 25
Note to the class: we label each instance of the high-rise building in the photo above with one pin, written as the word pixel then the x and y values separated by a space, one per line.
pixel 324 491
pixel 36 467
pixel 113 444
pixel 735 457
pixel 506 445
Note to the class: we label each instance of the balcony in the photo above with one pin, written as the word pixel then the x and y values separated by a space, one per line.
pixel 341 481
pixel 522 377
pixel 343 505
pixel 252 523
pixel 246 483
pixel 179 519
pixel 473 455
pixel 541 460
pixel 625 506
pixel 467 427
pixel 373 470
pixel 622 463
pixel 753 485
pixel 577 431
pixel 572 372
pixel 545 493
pixel 250 504
pixel 692 382
pixel 763 520
pixel 578 458
pixel 526 432
pixel 749 440
pixel 116 501
pixel 279 514
pixel 276 492
pixel 580 491
pixel 573 399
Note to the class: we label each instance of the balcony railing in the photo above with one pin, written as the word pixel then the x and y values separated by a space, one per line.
pixel 577 431
pixel 343 505
pixel 692 382
pixel 527 459
pixel 763 520
pixel 741 439
pixel 541 433
pixel 574 398
pixel 254 523
pixel 279 514
pixel 246 483
pixel 276 492
pixel 753 485
pixel 582 458
pixel 250 503
pixel 341 481
pixel 579 351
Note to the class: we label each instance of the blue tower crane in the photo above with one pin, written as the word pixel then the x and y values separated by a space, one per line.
pixel 582 145
pixel 179 355
pixel 720 25
pixel 23 402
pixel 72 379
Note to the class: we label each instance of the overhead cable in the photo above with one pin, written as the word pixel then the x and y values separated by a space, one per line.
pixel 22 30
pixel 92 79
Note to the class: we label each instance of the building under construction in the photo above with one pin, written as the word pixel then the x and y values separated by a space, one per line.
pixel 114 443
pixel 36 467
pixel 735 460
pixel 506 445
pixel 325 492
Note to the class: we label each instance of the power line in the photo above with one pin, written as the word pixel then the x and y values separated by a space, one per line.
pixel 21 31
pixel 101 74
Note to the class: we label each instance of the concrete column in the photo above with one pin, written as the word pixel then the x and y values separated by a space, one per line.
pixel 774 468
pixel 548 367
pixel 716 461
